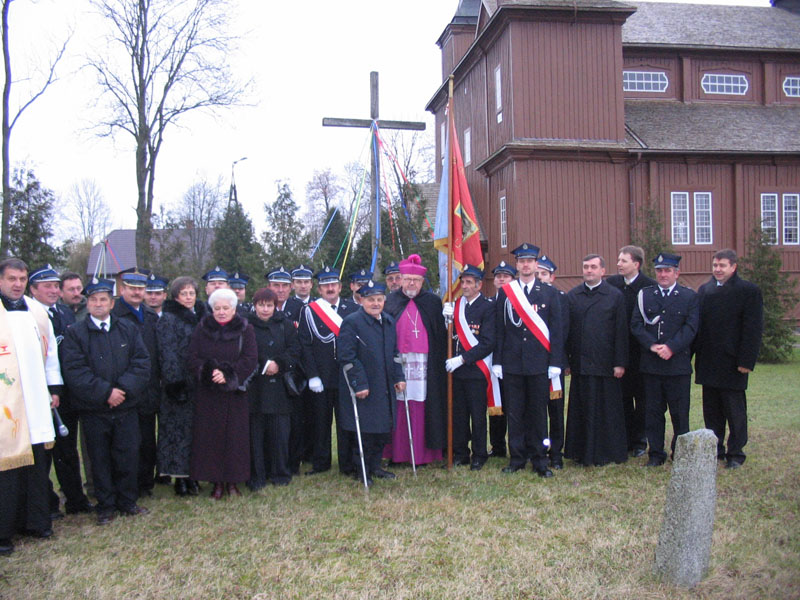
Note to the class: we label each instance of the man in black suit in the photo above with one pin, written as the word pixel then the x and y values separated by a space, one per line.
pixel 45 289
pixel 629 280
pixel 529 353
pixel 727 346
pixel 318 331
pixel 665 324
pixel 474 338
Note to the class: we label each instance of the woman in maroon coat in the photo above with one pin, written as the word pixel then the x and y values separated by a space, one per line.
pixel 222 357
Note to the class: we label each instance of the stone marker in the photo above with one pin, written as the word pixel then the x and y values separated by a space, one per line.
pixel 684 544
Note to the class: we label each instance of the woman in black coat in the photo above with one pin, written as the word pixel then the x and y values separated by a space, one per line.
pixel 270 405
pixel 222 359
pixel 181 315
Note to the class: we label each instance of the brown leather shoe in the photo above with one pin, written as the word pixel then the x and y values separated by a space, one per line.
pixel 233 490
pixel 217 492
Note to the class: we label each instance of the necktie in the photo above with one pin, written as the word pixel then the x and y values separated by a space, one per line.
pixel 103 326
pixel 333 306
pixel 52 312
pixel 664 293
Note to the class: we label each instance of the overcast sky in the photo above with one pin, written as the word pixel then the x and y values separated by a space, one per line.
pixel 308 60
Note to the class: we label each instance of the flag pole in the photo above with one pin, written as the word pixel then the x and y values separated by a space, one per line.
pixel 449 295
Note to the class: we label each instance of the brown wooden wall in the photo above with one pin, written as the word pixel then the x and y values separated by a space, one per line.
pixel 456 40
pixel 567 80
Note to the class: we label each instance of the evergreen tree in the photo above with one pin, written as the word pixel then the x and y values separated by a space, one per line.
pixel 235 247
pixel 650 235
pixel 285 240
pixel 332 242
pixel 762 266
pixel 32 218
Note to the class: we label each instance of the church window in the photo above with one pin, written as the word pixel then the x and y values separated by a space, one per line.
pixel 498 93
pixel 721 83
pixel 644 81
pixel 680 218
pixel 791 219
pixel 769 216
pixel 467 146
pixel 503 223
pixel 702 218
pixel 791 86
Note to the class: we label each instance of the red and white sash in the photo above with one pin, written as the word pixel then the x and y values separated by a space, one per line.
pixel 469 341
pixel 533 322
pixel 327 315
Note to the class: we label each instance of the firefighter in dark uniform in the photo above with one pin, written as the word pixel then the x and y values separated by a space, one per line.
pixel 392 277
pixel 469 381
pixel 503 273
pixel 318 342
pixel 359 279
pixel 555 408
pixel 665 323
pixel 528 360
pixel 238 283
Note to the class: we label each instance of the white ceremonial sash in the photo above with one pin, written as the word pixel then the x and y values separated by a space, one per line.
pixel 469 341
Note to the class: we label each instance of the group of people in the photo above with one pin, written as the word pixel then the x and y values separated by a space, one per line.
pixel 170 388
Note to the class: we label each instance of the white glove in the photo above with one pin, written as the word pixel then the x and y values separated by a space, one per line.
pixel 448 309
pixel 451 364
pixel 553 372
pixel 315 385
pixel 498 371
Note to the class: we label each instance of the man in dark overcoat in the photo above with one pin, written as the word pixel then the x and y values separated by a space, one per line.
pixel 130 306
pixel 429 307
pixel 597 347
pixel 529 354
pixel 470 382
pixel 665 323
pixel 107 367
pixel 629 280
pixel 727 347
pixel 318 331
pixel 368 342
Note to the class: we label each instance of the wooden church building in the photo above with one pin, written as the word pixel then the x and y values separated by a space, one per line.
pixel 573 115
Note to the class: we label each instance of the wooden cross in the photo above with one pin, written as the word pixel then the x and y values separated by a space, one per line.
pixel 367 123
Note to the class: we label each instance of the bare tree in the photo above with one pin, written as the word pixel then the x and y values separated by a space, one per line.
pixel 87 211
pixel 175 61
pixel 38 87
pixel 323 188
pixel 198 213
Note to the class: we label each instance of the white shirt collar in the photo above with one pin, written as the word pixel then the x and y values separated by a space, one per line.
pixel 592 287
pixel 632 279
pixel 97 322
pixel 669 289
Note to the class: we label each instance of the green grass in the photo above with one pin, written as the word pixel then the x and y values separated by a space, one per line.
pixel 587 533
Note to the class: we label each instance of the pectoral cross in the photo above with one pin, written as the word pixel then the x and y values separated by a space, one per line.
pixel 415 331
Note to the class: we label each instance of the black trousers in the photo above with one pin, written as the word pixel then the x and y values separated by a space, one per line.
pixel 301 442
pixel 720 407
pixel 469 404
pixel 526 398
pixel 269 448
pixel 373 449
pixel 498 426
pixel 112 440
pixel 555 414
pixel 633 402
pixel 147 451
pixel 24 501
pixel 323 408
pixel 67 464
pixel 666 391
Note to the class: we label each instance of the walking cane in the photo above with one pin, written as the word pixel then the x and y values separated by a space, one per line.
pixel 345 369
pixel 410 437
pixel 408 422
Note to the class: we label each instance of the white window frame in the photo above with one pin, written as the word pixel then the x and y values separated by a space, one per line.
pixel 771 214
pixel 791 86
pixel 503 222
pixel 727 84
pixel 791 220
pixel 703 219
pixel 467 146
pixel 498 93
pixel 679 223
pixel 645 81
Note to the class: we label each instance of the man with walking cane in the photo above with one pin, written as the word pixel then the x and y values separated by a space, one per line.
pixel 367 390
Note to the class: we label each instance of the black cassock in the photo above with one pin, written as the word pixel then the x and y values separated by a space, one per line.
pixel 597 342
